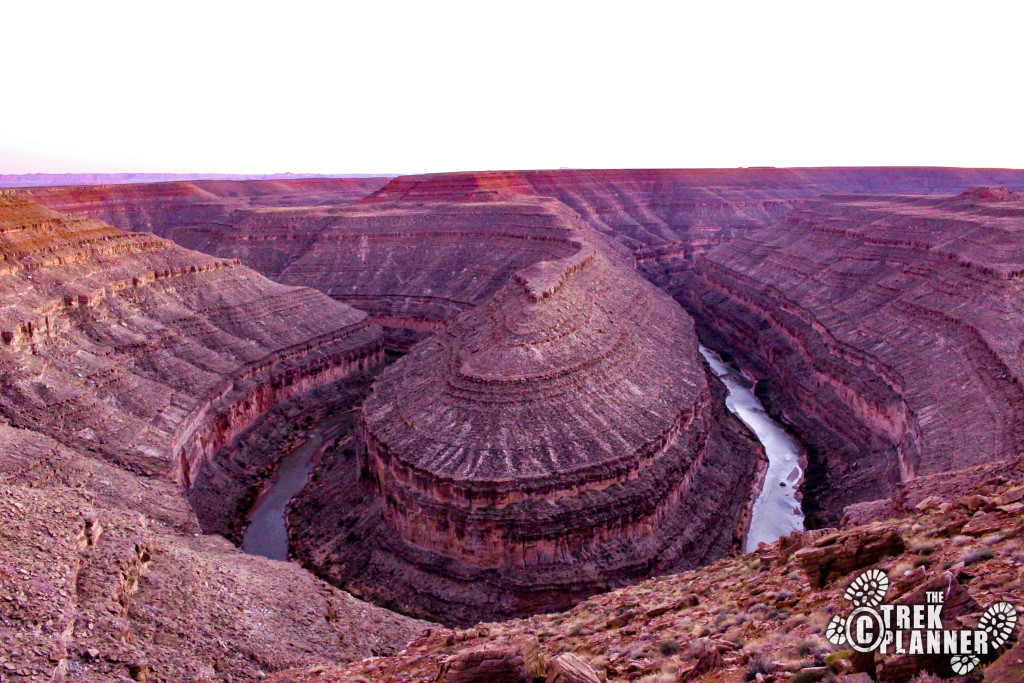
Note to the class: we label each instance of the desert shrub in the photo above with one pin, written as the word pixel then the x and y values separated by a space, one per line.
pixel 658 678
pixel 834 660
pixel 759 664
pixel 807 676
pixel 978 555
pixel 669 647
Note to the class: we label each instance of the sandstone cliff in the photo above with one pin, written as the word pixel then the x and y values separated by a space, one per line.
pixel 421 249
pixel 126 362
pixel 888 331
pixel 559 439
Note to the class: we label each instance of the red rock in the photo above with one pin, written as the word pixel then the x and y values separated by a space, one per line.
pixel 126 363
pixel 558 440
pixel 839 554
pixel 568 668
pixel 485 665
pixel 1009 668
pixel 849 306
pixel 710 660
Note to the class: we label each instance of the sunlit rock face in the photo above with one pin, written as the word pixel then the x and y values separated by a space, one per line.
pixel 157 354
pixel 558 439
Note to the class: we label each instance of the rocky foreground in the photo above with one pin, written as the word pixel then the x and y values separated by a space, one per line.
pixel 762 616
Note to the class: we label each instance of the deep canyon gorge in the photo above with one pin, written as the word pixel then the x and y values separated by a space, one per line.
pixel 494 384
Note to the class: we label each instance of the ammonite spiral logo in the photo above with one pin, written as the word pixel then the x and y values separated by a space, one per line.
pixel 915 629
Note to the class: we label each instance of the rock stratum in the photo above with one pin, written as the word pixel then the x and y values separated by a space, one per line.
pixel 551 432
pixel 889 331
pixel 65 179
pixel 418 250
pixel 559 439
pixel 127 363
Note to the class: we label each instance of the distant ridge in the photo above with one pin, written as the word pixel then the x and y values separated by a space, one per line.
pixel 51 179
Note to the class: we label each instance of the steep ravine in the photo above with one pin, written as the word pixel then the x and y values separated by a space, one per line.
pixel 886 330
pixel 777 510
pixel 267 531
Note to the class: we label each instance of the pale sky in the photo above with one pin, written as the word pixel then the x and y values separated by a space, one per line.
pixel 376 87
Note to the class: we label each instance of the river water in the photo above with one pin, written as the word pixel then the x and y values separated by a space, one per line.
pixel 267 534
pixel 777 509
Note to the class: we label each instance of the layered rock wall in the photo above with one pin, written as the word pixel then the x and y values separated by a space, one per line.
pixel 185 348
pixel 559 439
pixel 887 330
pixel 120 352
pixel 421 249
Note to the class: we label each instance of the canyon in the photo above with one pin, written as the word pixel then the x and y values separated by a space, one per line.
pixel 417 250
pixel 127 361
pixel 886 330
pixel 558 440
pixel 533 424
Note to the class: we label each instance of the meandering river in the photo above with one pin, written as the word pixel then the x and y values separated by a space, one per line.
pixel 777 509
pixel 267 534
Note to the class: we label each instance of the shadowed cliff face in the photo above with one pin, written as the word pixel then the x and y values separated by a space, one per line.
pixel 127 362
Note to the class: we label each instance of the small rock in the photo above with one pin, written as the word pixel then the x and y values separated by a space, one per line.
pixel 839 554
pixel 484 665
pixel 710 660
pixel 1012 496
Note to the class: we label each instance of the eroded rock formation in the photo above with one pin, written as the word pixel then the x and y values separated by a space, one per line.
pixel 758 614
pixel 889 332
pixel 424 248
pixel 556 436
pixel 559 439
pixel 126 361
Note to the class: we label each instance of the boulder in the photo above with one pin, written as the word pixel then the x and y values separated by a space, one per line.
pixel 489 664
pixel 568 668
pixel 836 555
